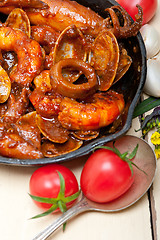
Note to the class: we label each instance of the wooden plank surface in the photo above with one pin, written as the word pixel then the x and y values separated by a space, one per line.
pixel 155 191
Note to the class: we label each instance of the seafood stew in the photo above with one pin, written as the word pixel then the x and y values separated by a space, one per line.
pixel 58 108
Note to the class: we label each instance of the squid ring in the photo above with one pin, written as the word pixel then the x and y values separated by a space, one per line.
pixel 61 85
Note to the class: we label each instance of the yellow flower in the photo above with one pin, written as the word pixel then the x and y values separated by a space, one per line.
pixel 157 152
pixel 155 138
pixel 144 132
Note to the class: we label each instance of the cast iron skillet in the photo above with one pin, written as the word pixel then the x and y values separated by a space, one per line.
pixel 130 85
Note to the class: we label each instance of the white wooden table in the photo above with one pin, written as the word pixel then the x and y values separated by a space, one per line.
pixel 139 222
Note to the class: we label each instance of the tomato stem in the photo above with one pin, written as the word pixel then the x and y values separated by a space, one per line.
pixel 50 210
pixel 127 157
pixel 59 202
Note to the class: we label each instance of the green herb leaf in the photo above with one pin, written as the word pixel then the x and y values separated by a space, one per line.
pixel 145 106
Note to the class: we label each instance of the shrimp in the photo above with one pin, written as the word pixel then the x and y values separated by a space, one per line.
pixel 29 54
pixel 45 36
pixel 101 111
pixel 46 104
pixel 45 101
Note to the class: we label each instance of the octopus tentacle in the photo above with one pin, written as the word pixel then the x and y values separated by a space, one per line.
pixel 126 16
pixel 66 13
pixel 115 20
pixel 130 30
pixel 112 23
pixel 71 97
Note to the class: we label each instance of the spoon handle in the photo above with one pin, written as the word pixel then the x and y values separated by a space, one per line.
pixel 80 207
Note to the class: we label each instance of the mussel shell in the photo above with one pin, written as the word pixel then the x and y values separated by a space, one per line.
pixel 86 135
pixel 136 76
pixel 28 130
pixel 104 57
pixel 70 44
pixel 52 129
pixel 124 63
pixel 19 20
pixel 50 149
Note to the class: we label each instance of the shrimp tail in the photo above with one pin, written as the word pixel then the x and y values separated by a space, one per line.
pixel 103 109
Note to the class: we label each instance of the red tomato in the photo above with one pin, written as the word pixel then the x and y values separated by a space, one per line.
pixel 105 176
pixel 149 8
pixel 45 182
